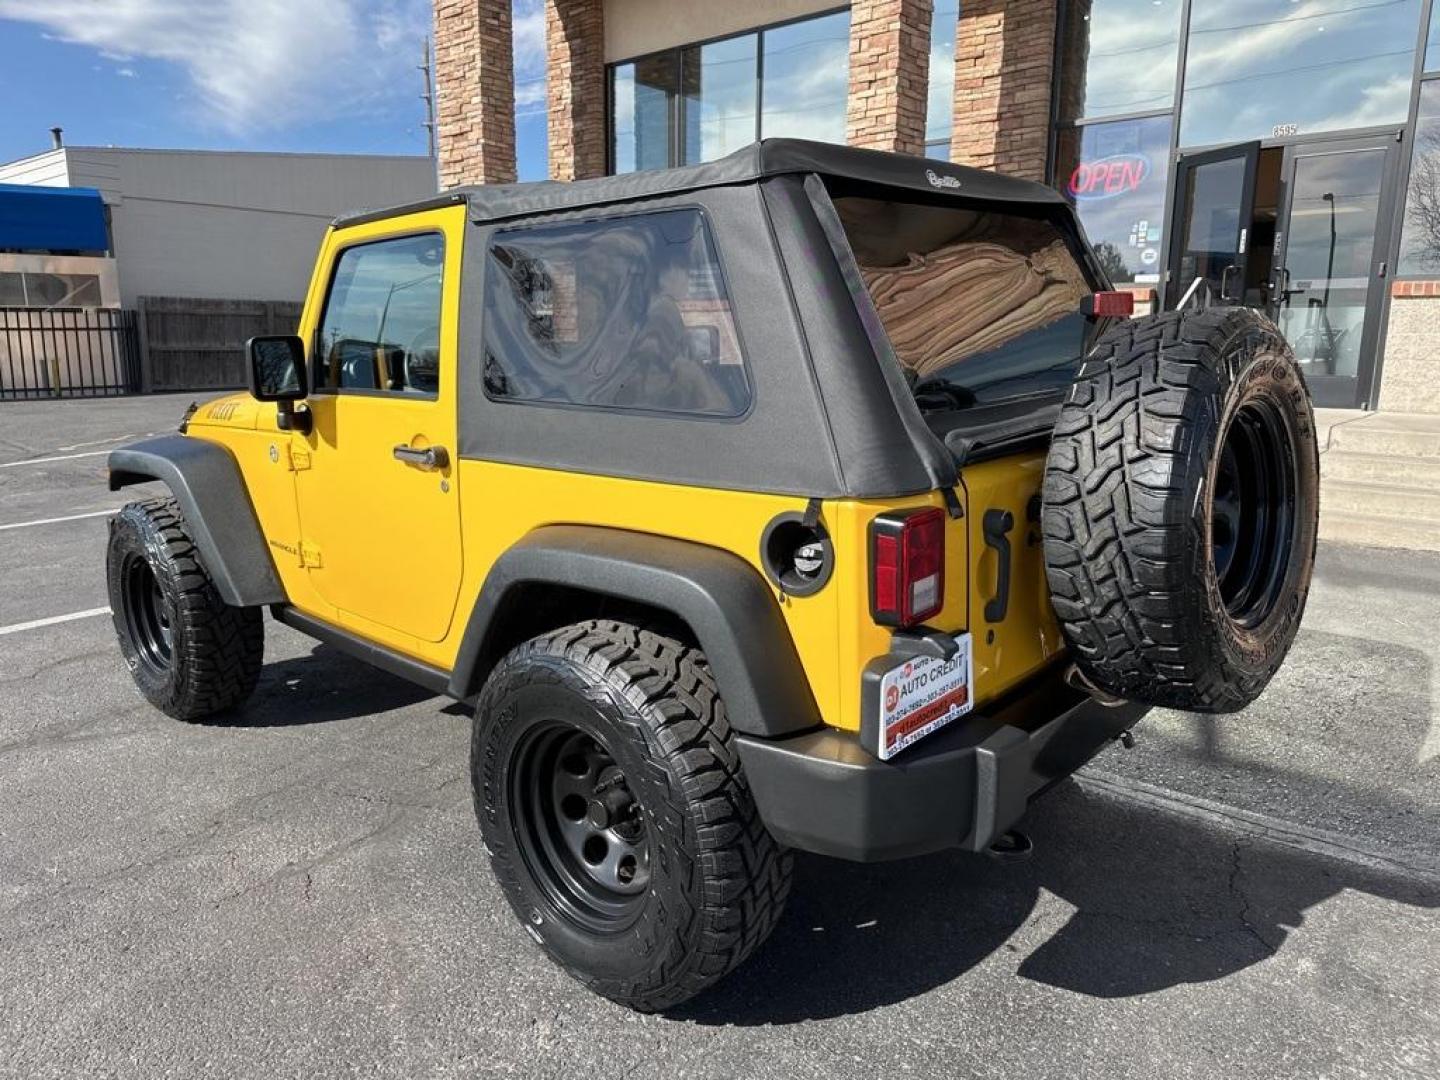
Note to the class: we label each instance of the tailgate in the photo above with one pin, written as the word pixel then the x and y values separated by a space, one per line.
pixel 1010 619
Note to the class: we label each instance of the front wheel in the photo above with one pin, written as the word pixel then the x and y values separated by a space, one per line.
pixel 616 814
pixel 191 654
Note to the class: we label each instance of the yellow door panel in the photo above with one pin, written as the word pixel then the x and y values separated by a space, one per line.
pixel 381 536
pixel 380 525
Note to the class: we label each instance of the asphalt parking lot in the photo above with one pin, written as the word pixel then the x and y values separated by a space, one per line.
pixel 301 891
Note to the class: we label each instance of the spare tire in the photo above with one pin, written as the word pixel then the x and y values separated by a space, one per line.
pixel 1180 509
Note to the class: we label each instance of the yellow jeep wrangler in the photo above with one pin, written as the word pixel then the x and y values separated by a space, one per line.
pixel 812 498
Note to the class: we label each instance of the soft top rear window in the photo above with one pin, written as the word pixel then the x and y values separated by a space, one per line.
pixel 981 308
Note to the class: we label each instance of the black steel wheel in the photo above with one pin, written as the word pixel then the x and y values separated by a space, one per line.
pixel 584 834
pixel 191 654
pixel 147 614
pixel 1180 509
pixel 617 816
pixel 1253 512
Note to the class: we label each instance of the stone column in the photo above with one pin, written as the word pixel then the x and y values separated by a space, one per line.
pixel 889 73
pixel 475 92
pixel 575 84
pixel 1004 63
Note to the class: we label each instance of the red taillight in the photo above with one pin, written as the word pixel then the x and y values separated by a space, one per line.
pixel 907 566
pixel 1107 305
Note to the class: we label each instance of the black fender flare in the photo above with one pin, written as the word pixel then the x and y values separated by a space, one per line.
pixel 215 503
pixel 722 599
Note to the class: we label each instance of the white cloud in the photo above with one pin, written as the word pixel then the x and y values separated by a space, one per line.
pixel 126 73
pixel 1373 105
pixel 528 29
pixel 255 64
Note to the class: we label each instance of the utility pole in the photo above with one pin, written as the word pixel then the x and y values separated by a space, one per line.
pixel 428 96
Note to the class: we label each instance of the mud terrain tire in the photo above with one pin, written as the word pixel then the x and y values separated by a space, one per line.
pixel 599 703
pixel 1180 508
pixel 191 654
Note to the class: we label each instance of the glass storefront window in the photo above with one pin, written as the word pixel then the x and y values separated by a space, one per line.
pixel 940 102
pixel 1116 174
pixel 641 95
pixel 1118 57
pixel 720 89
pixel 706 95
pixel 1260 69
pixel 806 79
pixel 1432 41
pixel 1420 237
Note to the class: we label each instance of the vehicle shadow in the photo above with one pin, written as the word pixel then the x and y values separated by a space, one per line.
pixel 1159 900
pixel 320 687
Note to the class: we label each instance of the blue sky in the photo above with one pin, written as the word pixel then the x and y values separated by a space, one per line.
pixel 318 75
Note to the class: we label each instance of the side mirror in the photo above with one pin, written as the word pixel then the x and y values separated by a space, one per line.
pixel 277 373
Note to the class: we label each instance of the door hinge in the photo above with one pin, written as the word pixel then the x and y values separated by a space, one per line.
pixel 298 456
pixel 310 555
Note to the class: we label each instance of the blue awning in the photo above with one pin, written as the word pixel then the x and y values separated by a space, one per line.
pixel 34 218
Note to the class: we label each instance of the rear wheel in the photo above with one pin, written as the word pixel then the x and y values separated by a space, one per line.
pixel 191 654
pixel 1180 509
pixel 616 814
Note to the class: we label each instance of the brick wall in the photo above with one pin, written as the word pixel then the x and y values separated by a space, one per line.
pixel 1004 61
pixel 1410 381
pixel 474 92
pixel 575 85
pixel 889 70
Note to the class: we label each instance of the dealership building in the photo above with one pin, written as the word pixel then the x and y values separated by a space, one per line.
pixel 1284 154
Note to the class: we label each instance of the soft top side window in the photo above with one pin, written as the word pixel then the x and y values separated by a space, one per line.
pixel 380 330
pixel 624 313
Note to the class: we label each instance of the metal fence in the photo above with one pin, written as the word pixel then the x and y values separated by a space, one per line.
pixel 68 352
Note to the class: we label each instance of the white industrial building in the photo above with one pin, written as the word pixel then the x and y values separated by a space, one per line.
pixel 220 224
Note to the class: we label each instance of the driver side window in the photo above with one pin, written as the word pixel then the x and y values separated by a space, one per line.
pixel 380 331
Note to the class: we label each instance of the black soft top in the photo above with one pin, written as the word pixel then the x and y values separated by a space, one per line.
pixel 769 157
pixel 832 415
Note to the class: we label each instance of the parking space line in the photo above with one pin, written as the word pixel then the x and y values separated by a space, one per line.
pixel 57 457
pixel 36 624
pixel 57 520
pixel 110 439
pixel 1374 854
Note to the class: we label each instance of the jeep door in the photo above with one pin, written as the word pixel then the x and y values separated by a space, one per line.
pixel 379 501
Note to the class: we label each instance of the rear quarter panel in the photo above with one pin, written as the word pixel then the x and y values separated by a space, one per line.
pixel 833 631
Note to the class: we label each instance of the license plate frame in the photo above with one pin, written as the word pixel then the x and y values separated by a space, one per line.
pixel 922 694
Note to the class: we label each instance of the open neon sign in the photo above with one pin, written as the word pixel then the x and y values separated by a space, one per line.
pixel 1108 177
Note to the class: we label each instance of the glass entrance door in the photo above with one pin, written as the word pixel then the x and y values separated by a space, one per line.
pixel 1215 200
pixel 1329 268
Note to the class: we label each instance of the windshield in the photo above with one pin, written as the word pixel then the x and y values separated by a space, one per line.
pixel 980 308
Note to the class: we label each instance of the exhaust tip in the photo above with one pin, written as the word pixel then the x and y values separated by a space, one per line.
pixel 1078 680
pixel 1011 846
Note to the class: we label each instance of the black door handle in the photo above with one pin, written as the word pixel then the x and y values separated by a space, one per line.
pixel 431 457
pixel 996 526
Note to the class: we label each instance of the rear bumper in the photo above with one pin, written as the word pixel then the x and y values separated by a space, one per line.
pixel 961 787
